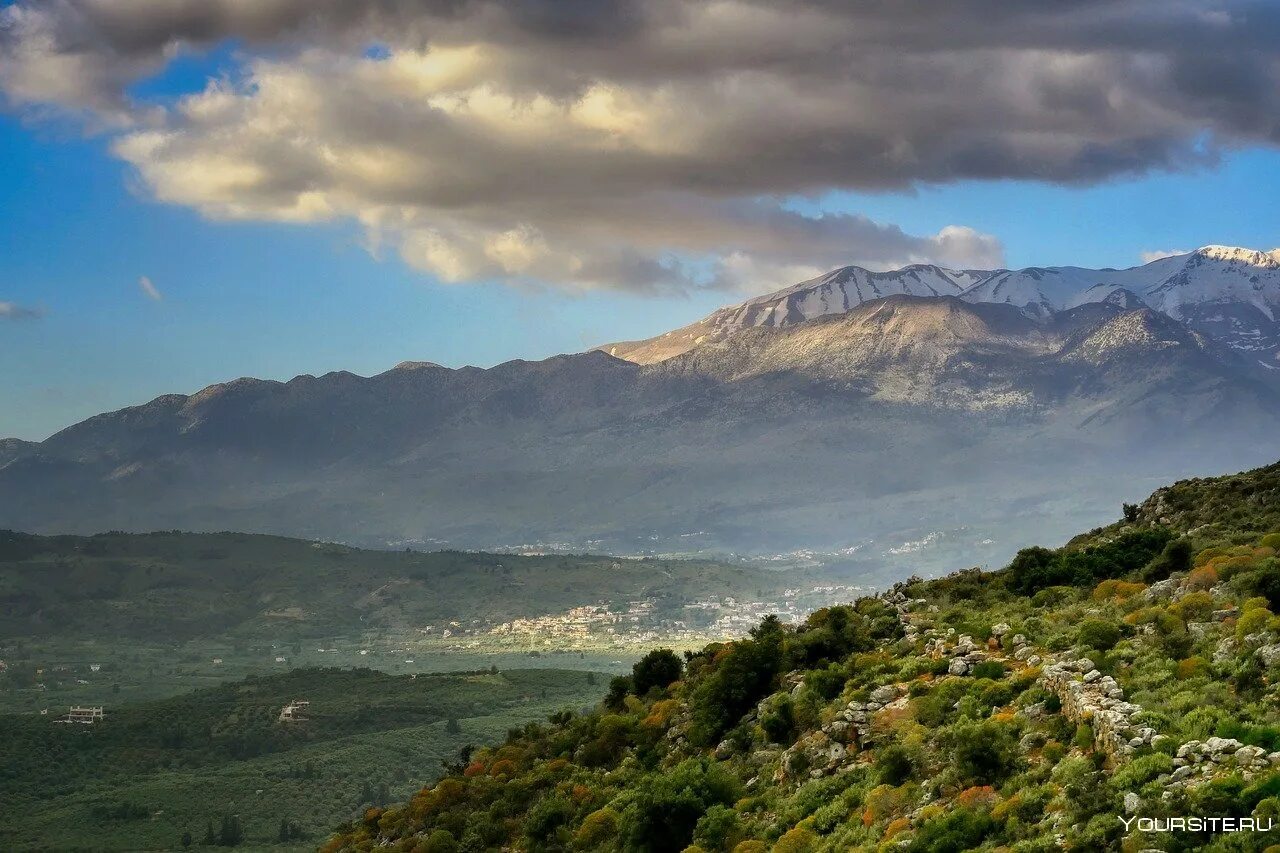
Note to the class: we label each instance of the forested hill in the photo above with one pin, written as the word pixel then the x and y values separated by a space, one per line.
pixel 198 585
pixel 1133 673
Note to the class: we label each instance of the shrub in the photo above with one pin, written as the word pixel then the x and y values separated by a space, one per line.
pixel 663 809
pixel 1175 557
pixel 894 765
pixel 1202 578
pixel 779 720
pixel 952 832
pixel 1098 634
pixel 827 682
pixel 984 753
pixel 598 827
pixel 1193 606
pixel 1192 668
pixel 1263 581
pixel 751 846
pixel 1116 591
pixel 992 669
pixel 797 840
pixel 718 829
pixel 546 818
pixel 440 841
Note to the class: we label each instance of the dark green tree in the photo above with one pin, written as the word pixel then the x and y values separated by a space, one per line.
pixel 658 668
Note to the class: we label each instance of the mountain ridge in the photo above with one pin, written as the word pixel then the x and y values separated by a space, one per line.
pixel 1195 288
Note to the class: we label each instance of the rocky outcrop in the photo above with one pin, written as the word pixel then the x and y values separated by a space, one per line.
pixel 1198 761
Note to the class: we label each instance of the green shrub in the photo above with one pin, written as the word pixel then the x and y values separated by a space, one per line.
pixel 1098 634
pixel 992 669
pixel 1176 557
pixel 719 829
pixel 983 753
pixel 779 720
pixel 745 676
pixel 894 764
pixel 663 809
pixel 953 832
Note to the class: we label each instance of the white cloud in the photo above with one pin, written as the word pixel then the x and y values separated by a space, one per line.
pixel 149 289
pixel 14 311
pixel 1160 254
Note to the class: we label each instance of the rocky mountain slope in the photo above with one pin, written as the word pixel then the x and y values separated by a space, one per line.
pixel 1077 699
pixel 864 434
pixel 1226 293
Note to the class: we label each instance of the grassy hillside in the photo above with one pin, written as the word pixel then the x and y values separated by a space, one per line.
pixel 1134 674
pixel 151 772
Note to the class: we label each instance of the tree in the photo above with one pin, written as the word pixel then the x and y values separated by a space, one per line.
pixel 744 677
pixel 1130 512
pixel 663 809
pixel 619 687
pixel 232 832
pixel 658 668
pixel 452 726
pixel 1034 569
pixel 210 837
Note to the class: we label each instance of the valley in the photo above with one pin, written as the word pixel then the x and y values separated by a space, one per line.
pixel 118 618
pixel 217 765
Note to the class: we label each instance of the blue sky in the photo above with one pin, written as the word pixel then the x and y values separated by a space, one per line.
pixel 255 294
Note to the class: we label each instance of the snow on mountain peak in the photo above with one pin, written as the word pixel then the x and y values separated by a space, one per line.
pixel 1230 293
pixel 1235 254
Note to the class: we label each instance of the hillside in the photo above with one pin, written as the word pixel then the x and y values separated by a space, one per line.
pixel 128 617
pixel 196 586
pixel 1053 704
pixel 150 773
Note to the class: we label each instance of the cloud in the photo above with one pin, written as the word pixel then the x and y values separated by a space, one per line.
pixel 149 289
pixel 1160 254
pixel 14 311
pixel 646 145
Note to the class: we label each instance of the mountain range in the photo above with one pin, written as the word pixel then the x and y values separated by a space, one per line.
pixel 1227 293
pixel 894 418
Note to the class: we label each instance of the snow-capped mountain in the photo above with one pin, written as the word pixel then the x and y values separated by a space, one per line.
pixel 834 293
pixel 1229 294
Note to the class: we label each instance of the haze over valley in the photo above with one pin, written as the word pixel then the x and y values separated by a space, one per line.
pixel 885 422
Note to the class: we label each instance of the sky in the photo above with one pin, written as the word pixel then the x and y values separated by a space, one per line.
pixel 192 191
